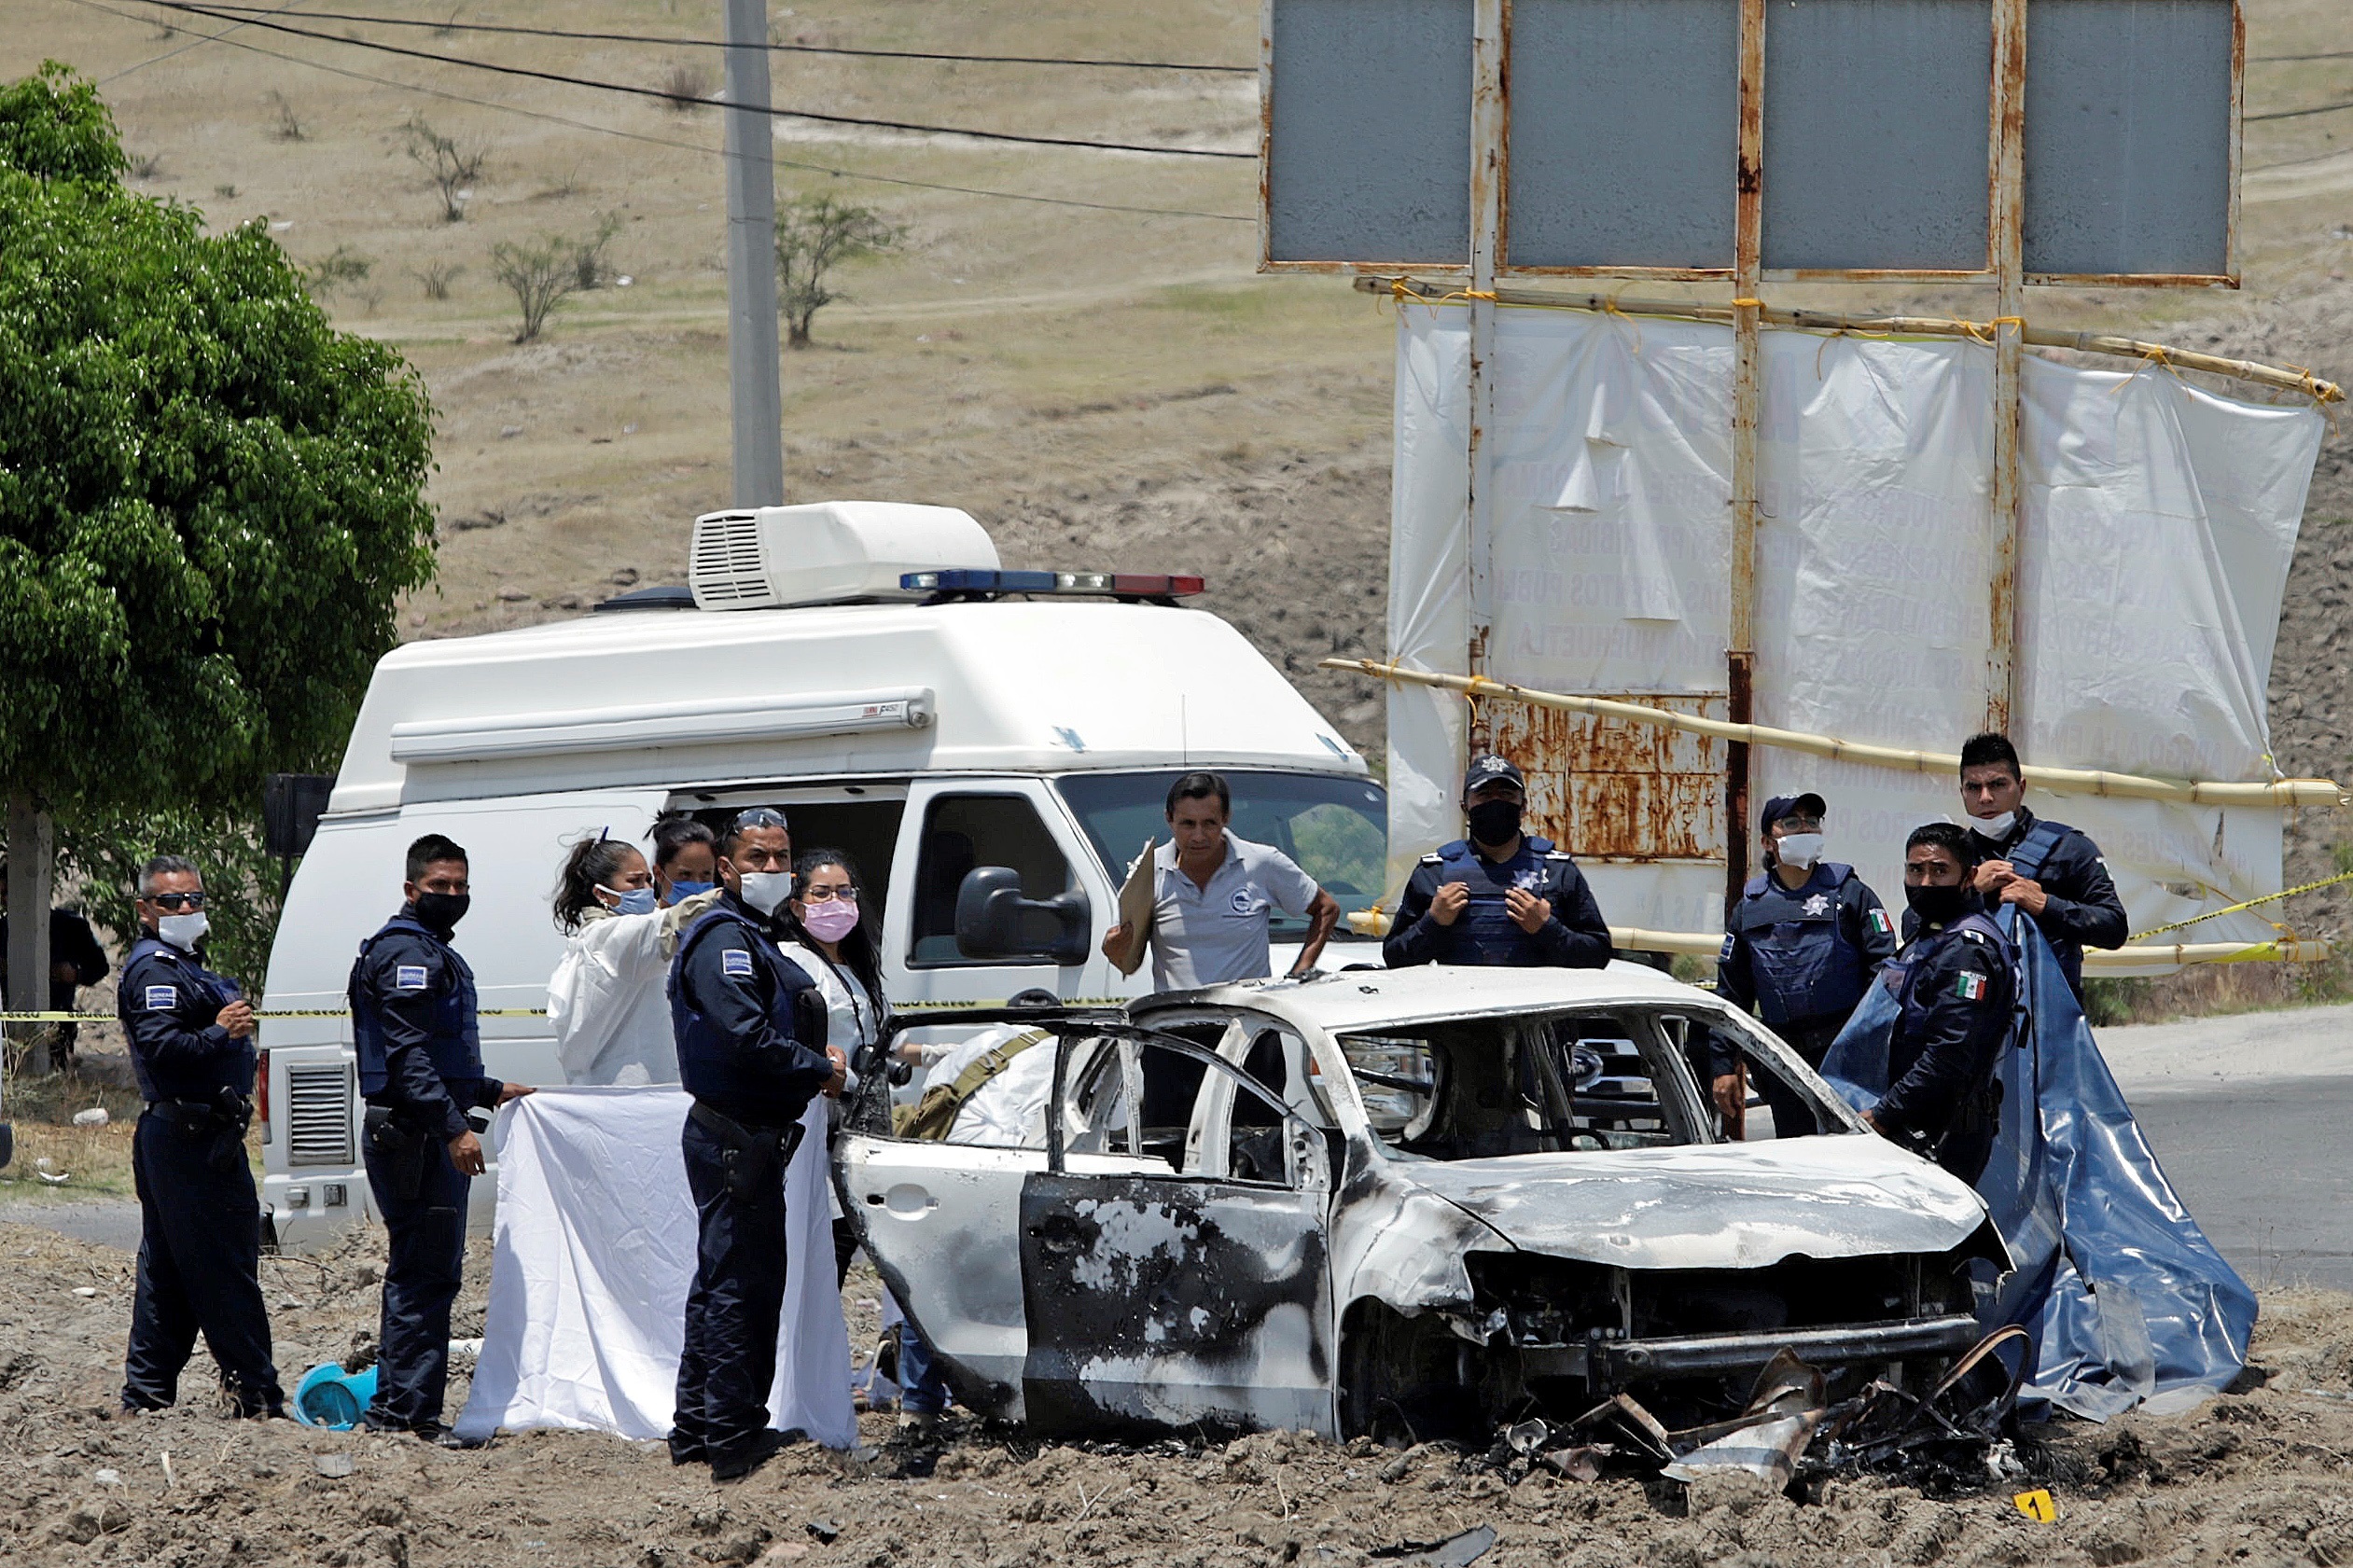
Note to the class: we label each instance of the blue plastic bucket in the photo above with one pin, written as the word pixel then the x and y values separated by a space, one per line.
pixel 329 1396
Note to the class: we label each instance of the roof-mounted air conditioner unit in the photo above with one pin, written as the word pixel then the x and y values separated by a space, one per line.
pixel 828 551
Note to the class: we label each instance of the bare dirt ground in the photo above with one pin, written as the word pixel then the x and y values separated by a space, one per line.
pixel 2260 1477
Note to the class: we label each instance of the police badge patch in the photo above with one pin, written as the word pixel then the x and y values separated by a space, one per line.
pixel 407 976
pixel 162 998
pixel 737 963
pixel 1819 905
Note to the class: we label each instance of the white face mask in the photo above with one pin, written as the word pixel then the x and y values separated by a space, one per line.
pixel 1994 828
pixel 765 890
pixel 1799 849
pixel 183 930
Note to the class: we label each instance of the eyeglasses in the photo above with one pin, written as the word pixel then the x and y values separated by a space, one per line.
pixel 828 895
pixel 176 901
pixel 759 816
pixel 1800 824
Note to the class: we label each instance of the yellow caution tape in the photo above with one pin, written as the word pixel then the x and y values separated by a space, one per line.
pixel 2036 1506
pixel 2233 908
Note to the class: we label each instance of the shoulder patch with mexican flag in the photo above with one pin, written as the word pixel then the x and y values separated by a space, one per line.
pixel 1969 987
pixel 1880 922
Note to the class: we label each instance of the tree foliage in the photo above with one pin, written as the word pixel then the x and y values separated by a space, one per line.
pixel 102 852
pixel 813 235
pixel 210 500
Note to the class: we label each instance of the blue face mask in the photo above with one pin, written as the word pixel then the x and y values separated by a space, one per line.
pixel 682 891
pixel 636 901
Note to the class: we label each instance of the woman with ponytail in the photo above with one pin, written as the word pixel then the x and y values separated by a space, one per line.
pixel 606 999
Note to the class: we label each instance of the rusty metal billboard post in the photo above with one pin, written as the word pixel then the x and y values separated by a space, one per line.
pixel 1998 141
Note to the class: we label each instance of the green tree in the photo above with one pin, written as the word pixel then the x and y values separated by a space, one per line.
pixel 210 500
pixel 813 235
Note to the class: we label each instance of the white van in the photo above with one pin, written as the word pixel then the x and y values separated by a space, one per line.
pixel 865 666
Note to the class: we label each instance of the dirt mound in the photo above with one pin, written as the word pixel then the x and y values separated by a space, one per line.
pixel 2258 1478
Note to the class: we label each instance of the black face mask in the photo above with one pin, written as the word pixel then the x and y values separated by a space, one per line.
pixel 442 911
pixel 1938 906
pixel 1494 821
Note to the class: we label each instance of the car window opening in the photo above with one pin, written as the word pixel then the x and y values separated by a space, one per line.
pixel 1480 1089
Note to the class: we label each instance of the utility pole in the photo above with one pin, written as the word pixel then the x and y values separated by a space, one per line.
pixel 755 396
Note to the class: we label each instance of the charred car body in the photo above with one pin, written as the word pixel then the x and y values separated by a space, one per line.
pixel 1411 1203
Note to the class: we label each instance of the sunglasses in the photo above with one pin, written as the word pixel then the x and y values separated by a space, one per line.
pixel 759 816
pixel 176 901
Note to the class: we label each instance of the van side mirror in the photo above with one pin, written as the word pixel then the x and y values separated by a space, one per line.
pixel 994 921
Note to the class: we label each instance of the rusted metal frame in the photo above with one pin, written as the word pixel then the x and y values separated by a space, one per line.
pixel 1490 129
pixel 1740 649
pixel 2239 125
pixel 1657 274
pixel 2133 280
pixel 2007 182
pixel 1266 137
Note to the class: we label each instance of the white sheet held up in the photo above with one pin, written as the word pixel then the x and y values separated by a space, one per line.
pixel 595 1253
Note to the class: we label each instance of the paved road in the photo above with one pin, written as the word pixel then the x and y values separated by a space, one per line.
pixel 2251 1115
pixel 2253 1118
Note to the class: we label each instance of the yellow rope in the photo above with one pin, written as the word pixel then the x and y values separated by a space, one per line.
pixel 2233 908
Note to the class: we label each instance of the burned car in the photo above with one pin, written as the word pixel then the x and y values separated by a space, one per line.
pixel 1412 1203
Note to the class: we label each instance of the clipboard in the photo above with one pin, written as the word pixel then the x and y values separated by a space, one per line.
pixel 1136 897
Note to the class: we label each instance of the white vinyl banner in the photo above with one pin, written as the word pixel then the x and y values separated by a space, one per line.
pixel 594 1252
pixel 2159 520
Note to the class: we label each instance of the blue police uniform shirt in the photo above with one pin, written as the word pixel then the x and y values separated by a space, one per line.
pixel 414 1026
pixel 168 1004
pixel 1804 954
pixel 1484 933
pixel 1954 985
pixel 2082 908
pixel 735 1007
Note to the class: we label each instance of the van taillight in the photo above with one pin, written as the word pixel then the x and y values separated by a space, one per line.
pixel 261 1094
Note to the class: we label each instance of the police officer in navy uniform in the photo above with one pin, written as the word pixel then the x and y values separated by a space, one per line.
pixel 414 1026
pixel 1956 982
pixel 1805 940
pixel 2046 869
pixel 751 1031
pixel 199 1234
pixel 1497 897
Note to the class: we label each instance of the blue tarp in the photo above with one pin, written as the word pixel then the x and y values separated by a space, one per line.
pixel 2124 1300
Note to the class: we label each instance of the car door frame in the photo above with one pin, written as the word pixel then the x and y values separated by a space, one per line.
pixel 1235 1330
pixel 986 1355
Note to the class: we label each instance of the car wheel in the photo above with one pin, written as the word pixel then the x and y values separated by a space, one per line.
pixel 1408 1380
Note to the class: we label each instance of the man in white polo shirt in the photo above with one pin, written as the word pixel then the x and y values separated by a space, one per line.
pixel 1214 894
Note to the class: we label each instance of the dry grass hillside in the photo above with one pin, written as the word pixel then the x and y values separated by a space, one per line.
pixel 1097 386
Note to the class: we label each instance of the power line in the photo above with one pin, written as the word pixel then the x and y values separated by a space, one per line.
pixel 2296 114
pixel 455 26
pixel 690 147
pixel 667 97
pixel 193 43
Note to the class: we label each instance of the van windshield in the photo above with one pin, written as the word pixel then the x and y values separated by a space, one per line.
pixel 1336 830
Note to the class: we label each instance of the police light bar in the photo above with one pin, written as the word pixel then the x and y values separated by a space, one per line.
pixel 1122 585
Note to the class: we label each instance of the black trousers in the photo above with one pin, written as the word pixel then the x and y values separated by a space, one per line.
pixel 1810 1039
pixel 200 1246
pixel 729 1361
pixel 422 1199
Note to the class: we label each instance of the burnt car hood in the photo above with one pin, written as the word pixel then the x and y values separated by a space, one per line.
pixel 1714 1206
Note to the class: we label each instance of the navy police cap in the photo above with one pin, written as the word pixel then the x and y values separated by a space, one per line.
pixel 1807 805
pixel 1492 769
